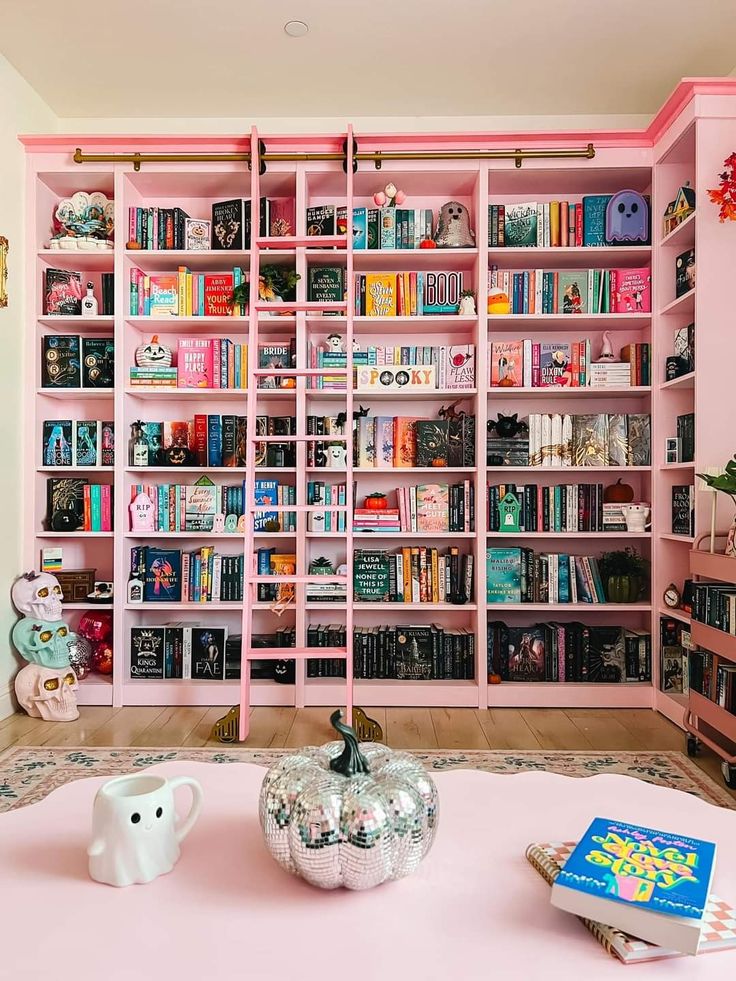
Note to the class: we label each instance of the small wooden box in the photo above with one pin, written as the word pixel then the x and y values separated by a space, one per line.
pixel 76 584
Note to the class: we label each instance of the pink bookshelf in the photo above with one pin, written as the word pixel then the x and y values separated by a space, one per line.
pixel 687 140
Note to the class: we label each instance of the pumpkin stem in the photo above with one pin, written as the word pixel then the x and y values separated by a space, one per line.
pixel 351 760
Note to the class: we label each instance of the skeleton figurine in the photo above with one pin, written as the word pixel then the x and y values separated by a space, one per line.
pixel 47 693
pixel 453 227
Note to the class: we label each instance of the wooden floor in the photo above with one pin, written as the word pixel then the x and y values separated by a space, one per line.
pixel 411 728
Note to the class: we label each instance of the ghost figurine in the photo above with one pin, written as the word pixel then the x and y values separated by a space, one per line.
pixel 627 218
pixel 135 837
pixel 453 227
pixel 337 456
pixel 37 594
pixel 47 693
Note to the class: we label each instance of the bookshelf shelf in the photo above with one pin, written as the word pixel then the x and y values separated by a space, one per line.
pixel 669 537
pixel 615 535
pixel 655 162
pixel 682 615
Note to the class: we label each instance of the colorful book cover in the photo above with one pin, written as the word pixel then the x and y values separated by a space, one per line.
pixel 405 441
pixel 86 443
pixel 282 217
pixel 208 653
pixel 228 225
pixel 61 364
pixel 217 292
pixel 321 220
pixel 526 653
pixel 196 234
pixel 459 369
pixel 507 364
pixel 200 505
pixel 162 582
pixel 655 870
pixel 503 575
pixel 273 355
pixel 266 492
pixel 433 512
pixel 194 363
pixel 520 229
pixel 633 291
pixel 373 228
pixel 360 228
pixel 555 364
pixel 433 446
pixel 590 440
pixel 370 576
pixel 63 293
pixel 380 293
pixel 325 284
pixel 572 292
pixel 685 272
pixel 594 219
pixel 384 441
pixel 283 564
pixel 164 292
pixel 442 292
pixel 58 448
pixel 147 652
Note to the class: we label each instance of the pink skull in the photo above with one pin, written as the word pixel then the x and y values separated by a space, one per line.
pixel 38 595
pixel 47 693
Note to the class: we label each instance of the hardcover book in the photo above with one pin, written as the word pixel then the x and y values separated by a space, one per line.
pixel 459 369
pixel 266 492
pixel 147 652
pixel 63 293
pixel 321 220
pixel 217 292
pixel 651 884
pixel 98 362
pixel 273 355
pixel 507 364
pixel 325 284
pixel 414 653
pixel 360 228
pixel 527 653
pixel 196 234
pixel 380 295
pixel 228 225
pixel 606 655
pixel 164 293
pixel 520 228
pixel 200 505
pixel 61 361
pixel 370 576
pixel 683 512
pixel 86 443
pixel 208 653
pixel 58 448
pixel 633 290
pixel 194 363
pixel 572 292
pixel 684 273
pixel 590 440
pixel 432 443
pixel 433 508
pixel 162 582
pixel 405 441
pixel 280 565
pixel 65 503
pixel 594 219
pixel 640 440
pixel 555 360
pixel 503 575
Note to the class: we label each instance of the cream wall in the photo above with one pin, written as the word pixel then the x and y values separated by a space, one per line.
pixel 21 111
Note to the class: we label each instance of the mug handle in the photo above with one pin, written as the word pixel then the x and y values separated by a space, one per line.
pixel 197 796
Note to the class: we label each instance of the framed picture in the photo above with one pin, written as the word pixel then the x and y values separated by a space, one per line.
pixel 3 271
pixel 672 450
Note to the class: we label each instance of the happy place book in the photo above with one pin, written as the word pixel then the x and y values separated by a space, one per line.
pixel 649 883
pixel 719 921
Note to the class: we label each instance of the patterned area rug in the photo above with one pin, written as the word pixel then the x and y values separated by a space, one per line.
pixel 28 774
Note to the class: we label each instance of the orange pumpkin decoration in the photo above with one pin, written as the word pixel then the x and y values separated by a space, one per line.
pixel 288 382
pixel 428 243
pixel 439 462
pixel 494 679
pixel 376 502
pixel 618 493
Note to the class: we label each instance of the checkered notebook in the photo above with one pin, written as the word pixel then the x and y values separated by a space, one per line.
pixel 719 923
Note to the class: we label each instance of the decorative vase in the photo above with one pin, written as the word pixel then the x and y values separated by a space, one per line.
pixel 623 589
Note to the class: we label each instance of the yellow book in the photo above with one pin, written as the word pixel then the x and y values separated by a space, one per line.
pixel 554 223
pixel 189 294
pixel 182 271
pixel 244 365
pixel 380 295
pixel 406 565
pixel 435 576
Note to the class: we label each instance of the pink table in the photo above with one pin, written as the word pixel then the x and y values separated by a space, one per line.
pixel 475 909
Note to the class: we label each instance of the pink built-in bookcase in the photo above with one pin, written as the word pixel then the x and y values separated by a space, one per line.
pixel 687 140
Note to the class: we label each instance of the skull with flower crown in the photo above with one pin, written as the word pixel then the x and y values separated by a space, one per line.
pixel 44 642
pixel 38 594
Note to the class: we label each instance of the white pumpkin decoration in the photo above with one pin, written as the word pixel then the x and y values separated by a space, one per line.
pixel 153 354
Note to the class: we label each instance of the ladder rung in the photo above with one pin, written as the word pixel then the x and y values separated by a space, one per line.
pixel 307 579
pixel 299 439
pixel 295 373
pixel 294 653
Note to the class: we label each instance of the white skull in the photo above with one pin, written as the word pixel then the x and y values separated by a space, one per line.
pixel 45 693
pixel 38 595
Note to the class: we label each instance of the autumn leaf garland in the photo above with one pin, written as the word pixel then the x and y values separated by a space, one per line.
pixel 725 194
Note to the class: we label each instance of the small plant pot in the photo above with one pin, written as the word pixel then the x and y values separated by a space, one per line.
pixel 623 589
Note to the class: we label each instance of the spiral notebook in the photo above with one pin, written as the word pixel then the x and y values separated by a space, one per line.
pixel 719 931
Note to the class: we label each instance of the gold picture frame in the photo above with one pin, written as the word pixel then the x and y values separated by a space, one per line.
pixel 3 271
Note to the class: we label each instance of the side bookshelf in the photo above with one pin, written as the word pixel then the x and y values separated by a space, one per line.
pixel 687 150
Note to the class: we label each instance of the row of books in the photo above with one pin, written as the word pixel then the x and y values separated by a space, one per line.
pixel 715 605
pixel 178 651
pixel 414 652
pixel 548 364
pixel 229 229
pixel 714 679
pixel 686 437
pixel 551 224
pixel 558 508
pixel 675 642
pixel 578 291
pixel 454 366
pixel 519 575
pixel 73 504
pixel 598 440
pixel 184 293
pixel 63 293
pixel 400 441
pixel 407 294
pixel 412 575
pixel 327 521
pixel 168 575
pixel 201 362
pixel 373 228
pixel 568 652
pixel 71 361
pixel 424 507
pixel 78 443
pixel 269 562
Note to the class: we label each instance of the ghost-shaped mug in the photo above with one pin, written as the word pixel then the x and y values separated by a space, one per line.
pixel 135 837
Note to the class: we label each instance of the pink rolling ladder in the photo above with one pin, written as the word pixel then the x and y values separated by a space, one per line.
pixel 301 309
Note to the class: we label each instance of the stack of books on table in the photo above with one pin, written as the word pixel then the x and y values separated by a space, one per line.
pixel 643 894
pixel 366 519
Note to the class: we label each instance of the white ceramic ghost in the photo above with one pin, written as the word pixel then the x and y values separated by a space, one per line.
pixel 38 595
pixel 47 693
pixel 135 836
pixel 337 456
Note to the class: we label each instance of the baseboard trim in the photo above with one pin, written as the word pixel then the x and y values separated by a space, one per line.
pixel 7 702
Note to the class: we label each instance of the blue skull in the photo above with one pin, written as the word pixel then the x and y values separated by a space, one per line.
pixel 44 642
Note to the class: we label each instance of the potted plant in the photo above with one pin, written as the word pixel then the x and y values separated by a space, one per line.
pixel 726 483
pixel 274 283
pixel 376 501
pixel 624 574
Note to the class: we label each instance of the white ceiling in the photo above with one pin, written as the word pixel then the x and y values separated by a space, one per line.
pixel 221 58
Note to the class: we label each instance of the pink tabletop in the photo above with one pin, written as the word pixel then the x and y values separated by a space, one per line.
pixel 475 909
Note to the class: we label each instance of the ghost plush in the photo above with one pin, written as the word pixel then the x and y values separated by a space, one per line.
pixel 453 227
pixel 627 218
pixel 135 837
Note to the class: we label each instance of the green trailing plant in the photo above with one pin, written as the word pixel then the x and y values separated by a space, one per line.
pixel 273 281
pixel 467 293
pixel 724 482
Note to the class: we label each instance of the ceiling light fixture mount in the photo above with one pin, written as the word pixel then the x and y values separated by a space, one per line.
pixel 296 28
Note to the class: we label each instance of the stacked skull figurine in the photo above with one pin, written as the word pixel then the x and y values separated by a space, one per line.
pixel 46 686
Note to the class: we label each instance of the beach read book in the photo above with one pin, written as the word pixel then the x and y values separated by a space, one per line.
pixel 651 884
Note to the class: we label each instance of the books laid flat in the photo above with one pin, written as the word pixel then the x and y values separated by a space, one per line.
pixel 648 883
pixel 719 921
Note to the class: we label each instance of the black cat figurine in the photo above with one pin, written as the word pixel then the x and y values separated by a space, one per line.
pixel 508 426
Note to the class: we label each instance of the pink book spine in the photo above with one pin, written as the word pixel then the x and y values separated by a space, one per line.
pixel 185 577
pixel 215 378
pixel 578 225
pixel 105 508
pixel 560 653
pixel 141 297
pixel 466 519
pixel 614 302
pixel 536 367
pixel 540 508
pixel 154 242
pixel 131 224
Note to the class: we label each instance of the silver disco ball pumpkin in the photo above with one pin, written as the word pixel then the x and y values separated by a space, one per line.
pixel 348 814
